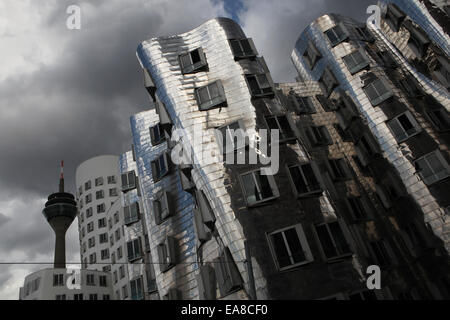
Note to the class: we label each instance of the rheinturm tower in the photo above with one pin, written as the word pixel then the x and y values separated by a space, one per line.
pixel 60 210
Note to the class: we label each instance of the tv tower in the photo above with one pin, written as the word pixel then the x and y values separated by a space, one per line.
pixel 60 210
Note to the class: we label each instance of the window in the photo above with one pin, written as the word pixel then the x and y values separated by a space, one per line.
pixel 193 61
pixel 91 242
pixel 98 181
pixel 99 194
pixel 106 269
pixel 106 297
pixel 439 118
pixel 111 179
pixel 136 289
pixel 366 149
pixel 332 240
pixel 104 254
pixel 89 212
pixel 280 123
pixel 260 84
pixel 111 240
pixel 337 34
pixel 90 226
pixel 441 71
pixel 131 213
pixel 87 185
pixel 258 188
pixel 378 91
pixel 327 104
pixel 357 208
pixel 167 254
pixel 305 105
pixel 157 134
pixel 404 126
pixel 125 292
pixel 364 34
pixel 161 208
pixel 119 252
pixel 318 136
pixel 117 234
pixel 92 258
pixel 78 296
pixel 58 279
pixel 210 96
pixel 90 279
pixel 103 238
pixel 102 281
pixel 432 167
pixel 115 277
pixel 356 61
pixel 227 274
pixel 101 208
pixel 102 223
pixel 113 192
pixel 339 169
pixel 311 55
pixel 160 167
pixel 92 296
pixel 289 247
pixel 60 297
pixel 128 181
pixel 116 217
pixel 303 180
pixel 418 41
pixel 80 190
pixel 231 136
pixel 243 48
pixel 134 249
pixel 328 81
pixel 121 272
pixel 394 17
pixel 88 198
pixel 344 134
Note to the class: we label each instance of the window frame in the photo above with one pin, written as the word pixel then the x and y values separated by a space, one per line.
pixel 404 134
pixel 161 134
pixel 201 65
pixel 294 188
pixel 157 176
pixel 344 37
pixel 238 56
pixel 212 103
pixel 435 176
pixel 303 242
pixel 272 184
pixel 380 97
pixel 128 186
pixel 345 232
pixel 281 130
pixel 354 67
pixel 260 94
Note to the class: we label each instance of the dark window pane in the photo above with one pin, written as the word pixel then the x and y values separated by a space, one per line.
pixel 297 178
pixel 339 239
pixel 294 245
pixel 280 250
pixel 266 190
pixel 325 241
pixel 250 188
pixel 195 56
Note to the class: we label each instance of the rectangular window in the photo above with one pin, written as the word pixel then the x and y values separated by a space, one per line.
pixel 439 118
pixel 366 149
pixel 337 34
pixel 404 126
pixel 364 34
pixel 88 198
pixel 116 217
pixel 121 272
pixel 90 279
pixel 357 208
pixel 318 136
pixel 91 242
pixel 125 292
pixel 160 167
pixel 260 85
pixel 98 181
pixel 92 258
pixel 280 123
pixel 99 194
pixel 161 208
pixel 100 208
pixel 344 134
pixel 231 137
pixel 378 90
pixel 356 61
pixel 193 61
pixel 167 254
pixel 89 212
pixel 303 179
pixel 106 297
pixel 305 105
pixel 258 188
pixel 339 169
pixel 92 296
pixel 210 96
pixel 333 242
pixel 117 234
pixel 311 55
pixel 104 254
pixel 103 238
pixel 131 213
pixel 327 104
pixel 111 179
pixel 243 48
pixel 87 185
pixel 157 134
pixel 136 289
pixel 380 250
pixel 90 227
pixel 328 81
pixel 113 192
pixel 60 297
pixel 128 181
pixel 227 274
pixel 58 280
pixel 432 167
pixel 119 253
pixel 78 296
pixel 134 249
pixel 289 247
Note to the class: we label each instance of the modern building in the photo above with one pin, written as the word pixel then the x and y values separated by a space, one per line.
pixel 59 282
pixel 397 152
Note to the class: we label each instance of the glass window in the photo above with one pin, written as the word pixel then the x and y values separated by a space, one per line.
pixel 259 84
pixel 128 181
pixel 432 167
pixel 356 61
pixel 99 181
pixel 304 180
pixel 243 48
pixel 160 167
pixel 337 34
pixel 157 134
pixel 280 123
pixel 131 213
pixel 333 242
pixel 210 96
pixel 404 126
pixel 134 249
pixel 193 61
pixel 258 188
pixel 378 91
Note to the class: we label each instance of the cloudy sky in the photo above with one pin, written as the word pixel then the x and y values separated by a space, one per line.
pixel 68 94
